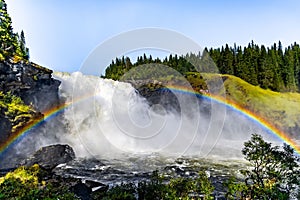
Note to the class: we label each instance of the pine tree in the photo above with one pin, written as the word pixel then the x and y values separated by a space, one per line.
pixel 128 63
pixel 11 44
pixel 289 81
pixel 296 51
pixel 24 49
pixel 270 68
pixel 6 30
pixel 227 57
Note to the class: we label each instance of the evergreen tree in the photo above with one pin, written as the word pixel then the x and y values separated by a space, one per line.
pixel 128 63
pixel 289 81
pixel 270 68
pixel 6 30
pixel 296 51
pixel 10 43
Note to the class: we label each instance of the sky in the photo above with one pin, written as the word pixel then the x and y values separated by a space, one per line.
pixel 62 33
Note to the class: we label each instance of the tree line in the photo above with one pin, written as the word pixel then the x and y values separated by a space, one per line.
pixel 271 68
pixel 11 44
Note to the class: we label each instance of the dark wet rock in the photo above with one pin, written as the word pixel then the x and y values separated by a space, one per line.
pixel 5 171
pixel 74 185
pixel 5 127
pixel 32 82
pixel 156 93
pixel 93 184
pixel 161 96
pixel 100 190
pixel 82 191
pixel 35 86
pixel 51 156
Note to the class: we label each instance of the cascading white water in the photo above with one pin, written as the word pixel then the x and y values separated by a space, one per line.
pixel 108 117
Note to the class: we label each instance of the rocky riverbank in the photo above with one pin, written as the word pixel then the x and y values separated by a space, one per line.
pixel 57 165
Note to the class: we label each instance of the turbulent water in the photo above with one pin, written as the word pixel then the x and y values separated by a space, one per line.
pixel 117 135
pixel 110 118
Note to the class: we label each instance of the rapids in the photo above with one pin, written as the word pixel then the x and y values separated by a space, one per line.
pixel 106 119
pixel 118 136
pixel 109 118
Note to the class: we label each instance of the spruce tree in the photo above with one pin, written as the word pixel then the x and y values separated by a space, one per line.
pixel 24 49
pixel 10 43
pixel 6 31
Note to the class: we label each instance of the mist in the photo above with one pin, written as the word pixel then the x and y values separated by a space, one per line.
pixel 109 118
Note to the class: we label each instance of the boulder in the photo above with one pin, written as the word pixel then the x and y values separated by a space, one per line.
pixel 82 191
pixel 51 156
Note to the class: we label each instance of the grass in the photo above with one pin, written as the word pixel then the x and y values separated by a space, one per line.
pixel 281 109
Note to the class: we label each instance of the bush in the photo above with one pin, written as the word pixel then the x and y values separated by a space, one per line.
pixel 274 172
pixel 25 183
pixel 157 189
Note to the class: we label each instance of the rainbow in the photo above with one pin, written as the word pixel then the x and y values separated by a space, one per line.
pixel 52 113
pixel 249 114
pixel 25 130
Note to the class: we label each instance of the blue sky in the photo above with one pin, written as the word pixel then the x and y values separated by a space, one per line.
pixel 62 33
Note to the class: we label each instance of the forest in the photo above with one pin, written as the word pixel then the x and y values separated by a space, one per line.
pixel 275 68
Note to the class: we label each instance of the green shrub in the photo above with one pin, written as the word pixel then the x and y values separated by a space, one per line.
pixel 157 188
pixel 274 172
pixel 2 58
pixel 26 183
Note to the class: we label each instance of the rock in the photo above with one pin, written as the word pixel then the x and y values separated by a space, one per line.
pixel 93 184
pixel 73 185
pixel 50 156
pixel 5 128
pixel 82 191
pixel 31 82
pixel 3 68
pixel 36 87
pixel 160 96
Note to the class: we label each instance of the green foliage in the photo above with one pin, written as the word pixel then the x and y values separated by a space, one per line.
pixel 1 57
pixel 274 172
pixel 25 183
pixel 15 110
pixel 154 189
pixel 235 189
pixel 173 65
pixel 158 188
pixel 121 192
pixel 282 109
pixel 270 68
pixel 11 44
pixel 13 105
pixel 203 185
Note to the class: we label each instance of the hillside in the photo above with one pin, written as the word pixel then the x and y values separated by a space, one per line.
pixel 282 109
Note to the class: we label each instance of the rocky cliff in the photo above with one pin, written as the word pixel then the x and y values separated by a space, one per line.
pixel 33 83
pixel 27 91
